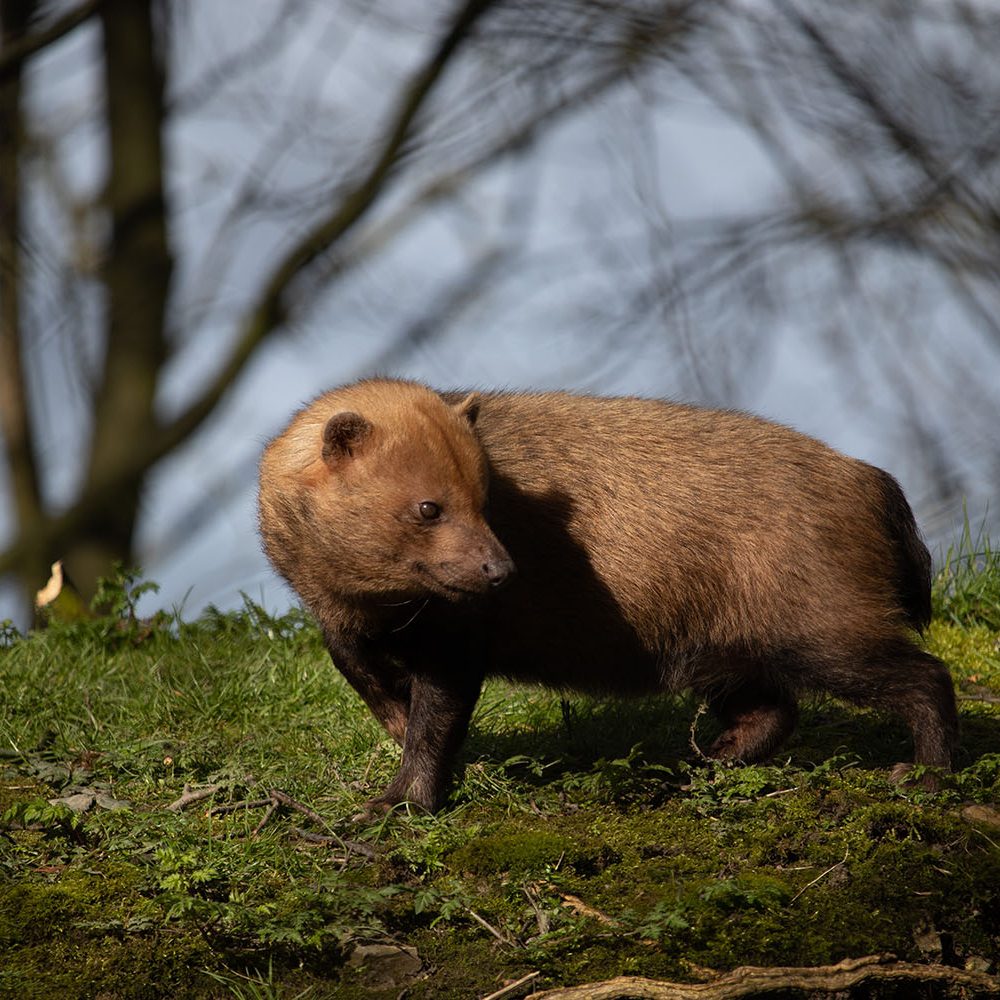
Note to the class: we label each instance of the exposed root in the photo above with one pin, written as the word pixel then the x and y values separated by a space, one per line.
pixel 515 989
pixel 751 981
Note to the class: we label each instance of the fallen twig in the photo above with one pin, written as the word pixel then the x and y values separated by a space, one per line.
pixel 283 798
pixel 501 937
pixel 821 876
pixel 192 795
pixel 276 798
pixel 702 709
pixel 272 807
pixel 332 840
pixel 515 989
pixel 751 981
pixel 227 807
pixel 276 801
pixel 541 917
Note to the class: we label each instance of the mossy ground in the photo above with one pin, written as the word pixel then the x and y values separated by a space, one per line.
pixel 585 839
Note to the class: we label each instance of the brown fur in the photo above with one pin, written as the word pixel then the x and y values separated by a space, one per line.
pixel 658 547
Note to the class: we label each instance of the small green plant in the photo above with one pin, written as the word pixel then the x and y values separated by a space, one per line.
pixel 623 780
pixel 714 786
pixel 746 893
pixel 662 921
pixel 255 986
pixel 9 633
pixel 445 902
pixel 51 820
pixel 118 595
pixel 967 588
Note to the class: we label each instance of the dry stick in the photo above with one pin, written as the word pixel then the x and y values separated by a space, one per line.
pixel 276 799
pixel 512 990
pixel 233 806
pixel 751 981
pixel 351 846
pixel 189 797
pixel 271 809
pixel 821 876
pixel 702 709
pixel 502 938
pixel 283 798
pixel 544 922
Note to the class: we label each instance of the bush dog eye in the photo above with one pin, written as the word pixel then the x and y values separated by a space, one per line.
pixel 429 510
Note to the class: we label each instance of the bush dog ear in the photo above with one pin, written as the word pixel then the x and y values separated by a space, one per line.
pixel 342 435
pixel 469 407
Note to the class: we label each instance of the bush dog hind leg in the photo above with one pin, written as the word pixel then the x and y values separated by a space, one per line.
pixel 757 722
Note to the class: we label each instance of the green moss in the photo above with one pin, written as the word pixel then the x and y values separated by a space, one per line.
pixel 31 914
pixel 86 936
pixel 82 967
pixel 526 851
pixel 972 652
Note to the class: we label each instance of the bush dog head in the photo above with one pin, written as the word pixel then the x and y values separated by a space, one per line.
pixel 390 495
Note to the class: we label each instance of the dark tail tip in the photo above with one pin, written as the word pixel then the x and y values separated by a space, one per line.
pixel 912 569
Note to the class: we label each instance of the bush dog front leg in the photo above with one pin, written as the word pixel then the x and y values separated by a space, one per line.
pixel 382 684
pixel 440 710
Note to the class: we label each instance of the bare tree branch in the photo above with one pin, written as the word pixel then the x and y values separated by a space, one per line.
pixel 18 49
pixel 246 60
pixel 749 981
pixel 269 310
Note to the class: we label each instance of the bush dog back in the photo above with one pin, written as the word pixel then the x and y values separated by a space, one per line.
pixel 619 545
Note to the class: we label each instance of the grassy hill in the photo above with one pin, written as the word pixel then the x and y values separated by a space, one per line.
pixel 585 839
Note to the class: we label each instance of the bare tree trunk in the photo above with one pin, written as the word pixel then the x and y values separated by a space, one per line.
pixel 137 280
pixel 15 419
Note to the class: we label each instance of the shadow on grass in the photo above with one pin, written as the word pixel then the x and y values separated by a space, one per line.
pixel 587 731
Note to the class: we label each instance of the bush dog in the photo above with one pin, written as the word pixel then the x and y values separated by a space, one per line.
pixel 617 546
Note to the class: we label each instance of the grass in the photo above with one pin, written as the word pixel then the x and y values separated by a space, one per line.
pixel 584 839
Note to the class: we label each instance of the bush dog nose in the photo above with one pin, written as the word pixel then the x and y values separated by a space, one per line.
pixel 499 569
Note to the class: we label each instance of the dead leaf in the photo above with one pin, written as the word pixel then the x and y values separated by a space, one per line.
pixel 53 588
pixel 79 802
pixel 577 905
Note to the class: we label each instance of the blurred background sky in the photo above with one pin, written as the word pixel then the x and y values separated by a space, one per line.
pixel 791 208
